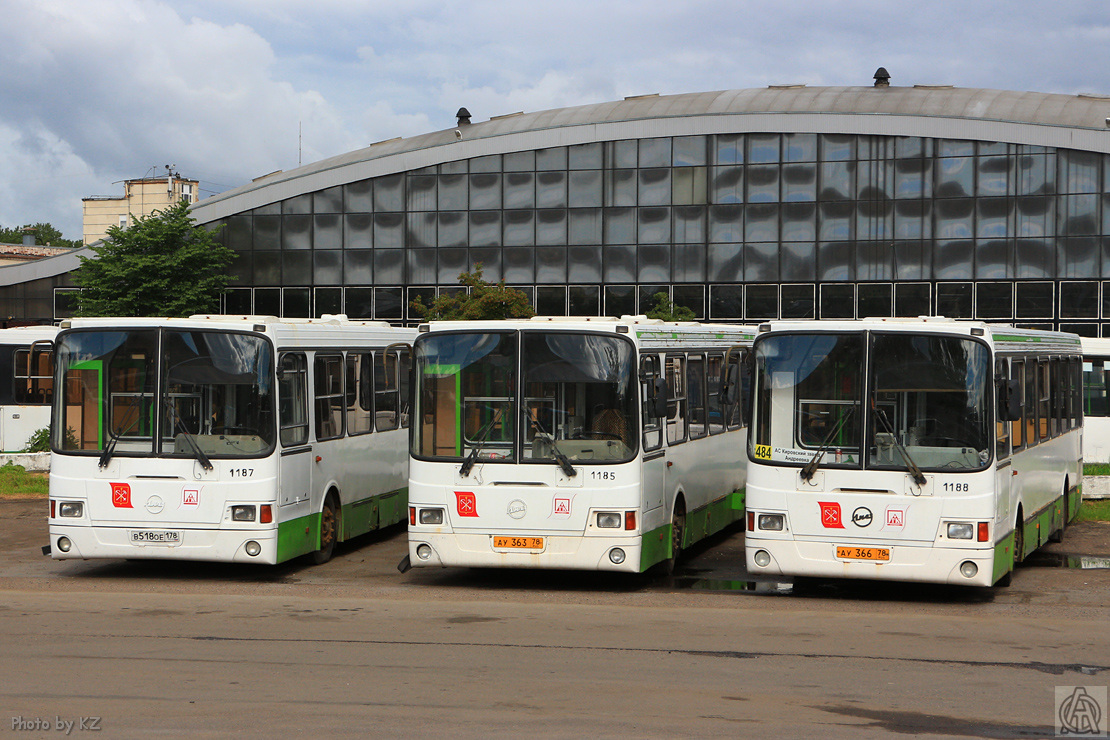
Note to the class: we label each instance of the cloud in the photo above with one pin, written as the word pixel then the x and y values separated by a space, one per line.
pixel 103 90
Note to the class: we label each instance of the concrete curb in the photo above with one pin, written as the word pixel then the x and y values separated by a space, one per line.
pixel 38 462
pixel 1096 487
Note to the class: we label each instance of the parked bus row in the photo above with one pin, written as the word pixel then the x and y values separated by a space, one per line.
pixel 908 449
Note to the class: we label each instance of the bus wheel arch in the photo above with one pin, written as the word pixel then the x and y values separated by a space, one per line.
pixel 329 527
pixel 1019 536
pixel 678 528
pixel 1058 535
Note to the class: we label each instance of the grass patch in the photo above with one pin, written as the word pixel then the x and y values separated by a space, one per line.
pixel 1095 511
pixel 16 482
pixel 1096 469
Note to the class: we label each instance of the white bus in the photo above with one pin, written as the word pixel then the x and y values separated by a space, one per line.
pixel 910 449
pixel 594 444
pixel 1096 400
pixel 26 357
pixel 226 438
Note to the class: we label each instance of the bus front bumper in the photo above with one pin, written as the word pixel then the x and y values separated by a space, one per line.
pixel 212 545
pixel 961 566
pixel 574 552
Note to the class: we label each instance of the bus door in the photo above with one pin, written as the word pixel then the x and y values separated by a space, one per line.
pixel 295 466
pixel 1007 435
pixel 653 400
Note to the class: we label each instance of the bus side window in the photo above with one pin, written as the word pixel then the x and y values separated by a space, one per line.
pixel 1044 390
pixel 695 395
pixel 404 373
pixel 715 413
pixel 387 390
pixel 1077 390
pixel 360 408
pixel 653 423
pixel 1030 413
pixel 329 396
pixel 676 409
pixel 293 399
pixel 1017 426
pixel 1002 428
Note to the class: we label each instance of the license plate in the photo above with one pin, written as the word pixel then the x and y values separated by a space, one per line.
pixel 518 543
pixel 863 553
pixel 155 537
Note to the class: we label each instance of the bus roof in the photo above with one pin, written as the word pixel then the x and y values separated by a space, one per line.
pixel 648 333
pixel 329 328
pixel 1003 337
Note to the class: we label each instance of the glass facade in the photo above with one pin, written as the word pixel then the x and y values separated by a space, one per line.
pixel 738 227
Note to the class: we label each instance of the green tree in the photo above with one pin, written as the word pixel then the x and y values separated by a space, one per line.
pixel 667 311
pixel 163 265
pixel 484 301
pixel 45 236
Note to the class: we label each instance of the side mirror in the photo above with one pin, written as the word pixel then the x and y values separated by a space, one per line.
pixel 730 387
pixel 660 396
pixel 1009 400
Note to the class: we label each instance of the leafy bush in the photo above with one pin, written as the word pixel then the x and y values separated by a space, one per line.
pixel 39 441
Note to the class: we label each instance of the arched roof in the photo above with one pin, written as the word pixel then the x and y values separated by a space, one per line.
pixel 1066 121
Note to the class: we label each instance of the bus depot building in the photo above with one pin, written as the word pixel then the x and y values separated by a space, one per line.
pixel 743 205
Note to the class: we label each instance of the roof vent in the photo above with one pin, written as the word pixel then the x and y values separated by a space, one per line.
pixel 882 77
pixel 464 117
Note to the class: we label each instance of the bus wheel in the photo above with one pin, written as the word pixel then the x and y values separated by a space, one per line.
pixel 329 527
pixel 678 531
pixel 1019 540
pixel 1058 535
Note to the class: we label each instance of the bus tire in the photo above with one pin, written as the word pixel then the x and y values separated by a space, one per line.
pixel 1058 535
pixel 1019 539
pixel 329 531
pixel 678 531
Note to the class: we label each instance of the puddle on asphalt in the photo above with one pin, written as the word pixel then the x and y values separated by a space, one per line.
pixel 773 588
pixel 1078 562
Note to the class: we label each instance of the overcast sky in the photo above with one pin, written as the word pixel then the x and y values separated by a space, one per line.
pixel 93 92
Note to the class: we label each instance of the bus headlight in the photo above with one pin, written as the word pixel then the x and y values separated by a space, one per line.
pixel 608 519
pixel 431 516
pixel 771 522
pixel 242 513
pixel 616 556
pixel 423 551
pixel 762 558
pixel 968 569
pixel 961 531
pixel 253 548
pixel 71 508
pixel 64 544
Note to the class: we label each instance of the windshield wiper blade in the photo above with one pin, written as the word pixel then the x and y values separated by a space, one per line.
pixel 197 451
pixel 468 463
pixel 563 460
pixel 911 466
pixel 106 456
pixel 811 466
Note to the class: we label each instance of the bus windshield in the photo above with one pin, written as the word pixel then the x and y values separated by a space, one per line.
pixel 531 396
pixel 927 404
pixel 176 393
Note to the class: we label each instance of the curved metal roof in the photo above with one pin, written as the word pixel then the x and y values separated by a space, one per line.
pixel 1068 121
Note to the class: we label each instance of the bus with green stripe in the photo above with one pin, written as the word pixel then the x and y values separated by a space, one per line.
pixel 919 449
pixel 245 439
pixel 573 443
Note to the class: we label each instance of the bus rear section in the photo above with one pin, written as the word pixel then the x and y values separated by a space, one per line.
pixel 884 450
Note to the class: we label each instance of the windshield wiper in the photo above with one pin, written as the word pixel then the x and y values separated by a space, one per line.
pixel 197 451
pixel 468 463
pixel 811 466
pixel 911 466
pixel 106 456
pixel 563 460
